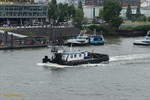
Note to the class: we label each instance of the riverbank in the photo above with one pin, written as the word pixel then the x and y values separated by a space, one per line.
pixel 49 33
pixel 41 37
pixel 124 30
pixel 35 37
pixel 60 33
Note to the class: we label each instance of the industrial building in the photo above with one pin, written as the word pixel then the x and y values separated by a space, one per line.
pixel 123 2
pixel 22 12
pixel 89 8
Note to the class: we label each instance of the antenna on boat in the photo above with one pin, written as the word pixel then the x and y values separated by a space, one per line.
pixel 101 32
pixel 71 47
pixel 94 31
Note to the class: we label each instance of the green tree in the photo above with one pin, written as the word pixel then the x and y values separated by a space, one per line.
pixel 53 10
pixel 101 13
pixel 138 11
pixel 80 4
pixel 148 19
pixel 129 13
pixel 142 18
pixel 116 22
pixel 66 12
pixel 54 2
pixel 78 18
pixel 71 11
pixel 60 12
pixel 63 12
pixel 111 13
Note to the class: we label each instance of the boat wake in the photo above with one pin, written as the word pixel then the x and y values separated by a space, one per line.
pixel 117 59
pixel 129 57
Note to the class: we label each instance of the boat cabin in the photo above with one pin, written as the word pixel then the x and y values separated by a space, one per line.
pixel 67 56
pixel 81 38
pixel 147 35
pixel 97 39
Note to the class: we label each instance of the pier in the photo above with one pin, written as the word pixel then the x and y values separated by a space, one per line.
pixel 19 38
pixel 10 40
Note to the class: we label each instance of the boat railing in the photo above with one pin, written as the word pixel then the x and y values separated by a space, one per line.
pixel 147 35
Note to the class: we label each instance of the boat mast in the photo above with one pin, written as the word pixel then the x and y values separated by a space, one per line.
pixel 94 31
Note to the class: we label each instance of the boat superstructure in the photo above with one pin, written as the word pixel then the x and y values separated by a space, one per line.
pixel 80 40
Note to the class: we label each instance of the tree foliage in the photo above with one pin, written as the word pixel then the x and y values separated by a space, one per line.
pixel 60 12
pixel 78 18
pixel 111 13
pixel 80 4
pixel 53 10
pixel 101 13
pixel 129 13
pixel 138 12
pixel 65 12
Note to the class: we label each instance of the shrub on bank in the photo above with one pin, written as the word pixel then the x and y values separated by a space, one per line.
pixel 142 28
pixel 97 27
pixel 102 29
pixel 137 28
pixel 7 29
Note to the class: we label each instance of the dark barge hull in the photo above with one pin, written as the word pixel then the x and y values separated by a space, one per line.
pixel 76 44
pixel 23 47
pixel 97 44
pixel 97 58
pixel 144 44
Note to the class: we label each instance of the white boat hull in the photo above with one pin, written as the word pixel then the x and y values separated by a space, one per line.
pixel 51 65
pixel 76 42
pixel 142 42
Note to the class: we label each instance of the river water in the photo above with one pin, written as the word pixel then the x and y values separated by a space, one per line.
pixel 126 77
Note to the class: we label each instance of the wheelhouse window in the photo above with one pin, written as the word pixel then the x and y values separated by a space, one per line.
pixel 75 55
pixel 71 56
pixel 80 55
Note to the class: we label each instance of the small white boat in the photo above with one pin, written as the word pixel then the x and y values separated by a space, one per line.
pixel 145 41
pixel 80 40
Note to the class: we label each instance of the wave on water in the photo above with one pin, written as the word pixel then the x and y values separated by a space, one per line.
pixel 129 57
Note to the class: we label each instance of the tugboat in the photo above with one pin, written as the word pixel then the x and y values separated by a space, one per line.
pixel 145 41
pixel 62 58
